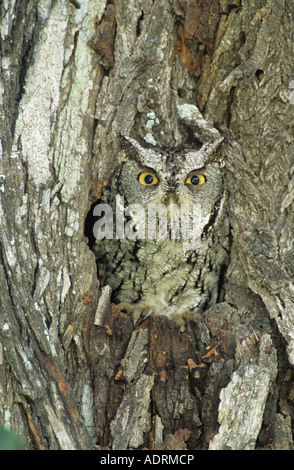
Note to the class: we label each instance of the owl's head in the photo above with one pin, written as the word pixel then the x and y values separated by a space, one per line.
pixel 150 176
pixel 172 177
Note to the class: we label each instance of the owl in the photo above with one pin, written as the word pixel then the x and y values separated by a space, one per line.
pixel 163 247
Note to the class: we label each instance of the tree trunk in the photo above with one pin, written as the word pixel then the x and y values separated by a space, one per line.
pixel 75 373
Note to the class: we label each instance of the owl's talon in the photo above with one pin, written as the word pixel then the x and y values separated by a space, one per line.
pixel 184 316
pixel 142 311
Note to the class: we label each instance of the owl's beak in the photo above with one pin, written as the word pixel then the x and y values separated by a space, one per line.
pixel 172 205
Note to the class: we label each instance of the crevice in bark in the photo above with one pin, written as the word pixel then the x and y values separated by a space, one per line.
pixel 89 223
pixel 76 4
pixel 139 24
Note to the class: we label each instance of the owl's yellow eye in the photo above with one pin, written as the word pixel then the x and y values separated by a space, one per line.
pixel 196 180
pixel 148 179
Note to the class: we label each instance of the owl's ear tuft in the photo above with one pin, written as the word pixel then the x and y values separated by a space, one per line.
pixel 123 140
pixel 130 149
pixel 219 151
pixel 125 147
pixel 128 143
pixel 222 149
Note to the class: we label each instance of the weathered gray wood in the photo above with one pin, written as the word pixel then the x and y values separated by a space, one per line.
pixel 47 271
pixel 133 417
pixel 243 400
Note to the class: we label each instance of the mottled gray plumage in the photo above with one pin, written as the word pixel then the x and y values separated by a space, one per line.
pixel 159 276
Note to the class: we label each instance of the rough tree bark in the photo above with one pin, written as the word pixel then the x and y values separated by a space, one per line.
pixel 75 373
